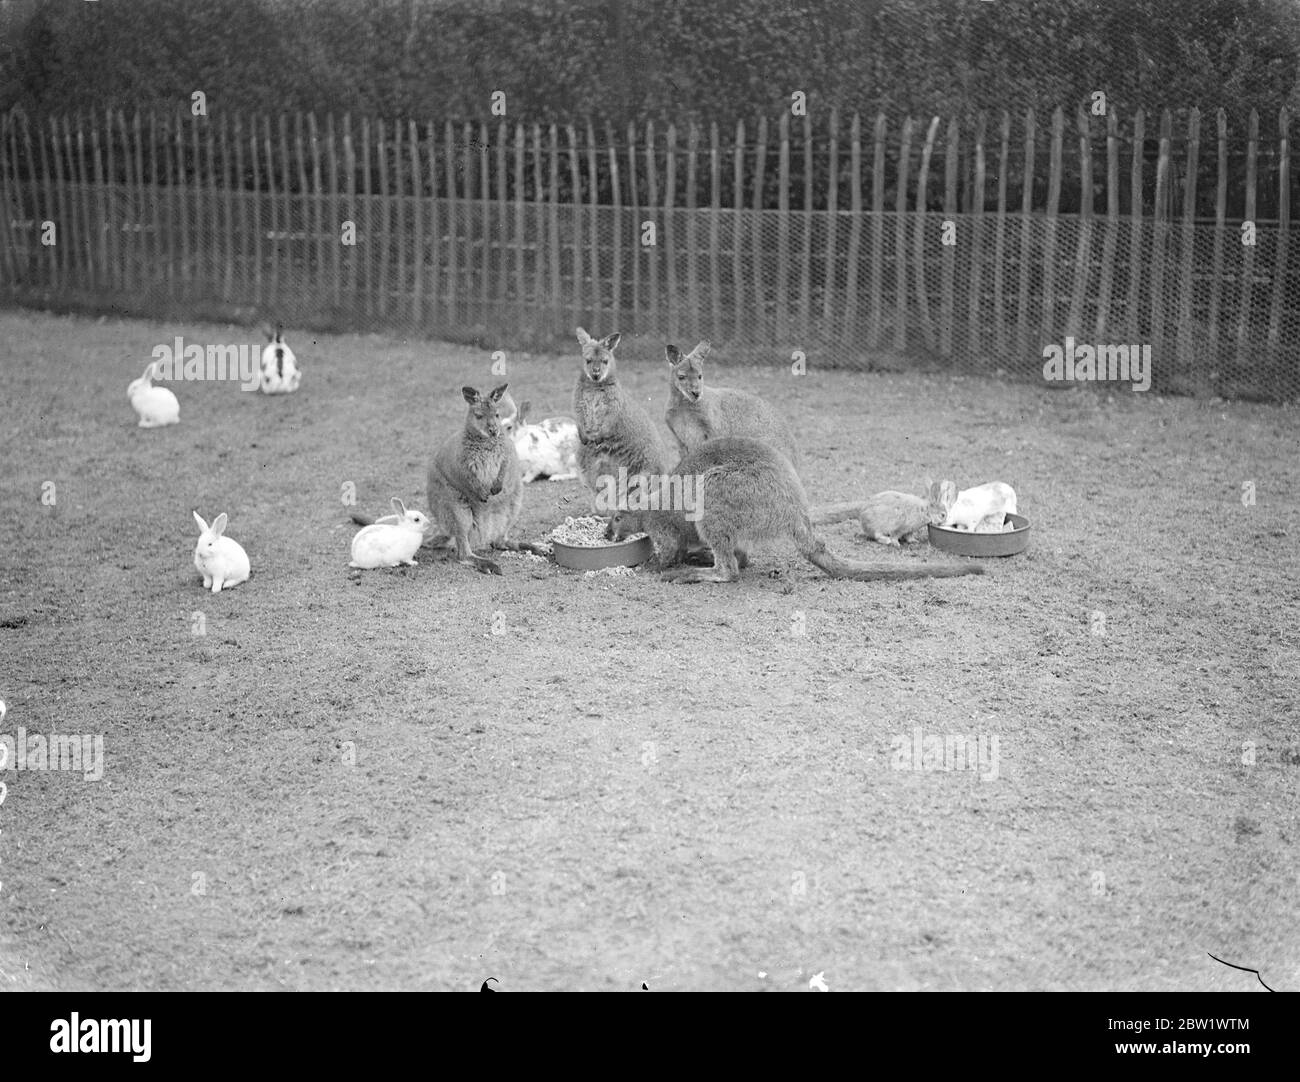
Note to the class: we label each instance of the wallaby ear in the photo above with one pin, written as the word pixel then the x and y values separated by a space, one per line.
pixel 496 392
pixel 203 526
pixel 219 524
pixel 702 350
pixel 610 341
pixel 398 506
pixel 584 338
pixel 471 394
pixel 673 354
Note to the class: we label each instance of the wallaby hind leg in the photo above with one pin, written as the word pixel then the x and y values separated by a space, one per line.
pixel 464 523
pixel 725 566
pixel 742 558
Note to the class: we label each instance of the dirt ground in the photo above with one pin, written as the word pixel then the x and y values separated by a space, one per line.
pixel 420 779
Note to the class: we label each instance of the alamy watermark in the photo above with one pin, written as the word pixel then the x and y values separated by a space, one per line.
pixel 947 752
pixel 80 753
pixel 212 363
pixel 651 492
pixel 1113 363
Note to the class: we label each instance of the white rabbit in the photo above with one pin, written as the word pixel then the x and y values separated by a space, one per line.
pixel 221 561
pixel 156 406
pixel 508 415
pixel 392 540
pixel 548 449
pixel 280 373
pixel 982 508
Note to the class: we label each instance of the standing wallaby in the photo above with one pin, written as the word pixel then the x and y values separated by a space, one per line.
pixel 614 432
pixel 745 490
pixel 474 487
pixel 697 413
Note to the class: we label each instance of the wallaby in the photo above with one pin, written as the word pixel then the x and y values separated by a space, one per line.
pixel 746 490
pixel 614 432
pixel 697 413
pixel 474 489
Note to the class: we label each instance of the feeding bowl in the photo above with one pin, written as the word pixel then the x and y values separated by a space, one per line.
pixel 597 557
pixel 966 543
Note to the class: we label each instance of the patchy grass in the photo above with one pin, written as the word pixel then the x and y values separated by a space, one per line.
pixel 636 781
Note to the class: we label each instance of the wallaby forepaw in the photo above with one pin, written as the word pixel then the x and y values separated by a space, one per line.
pixel 487 567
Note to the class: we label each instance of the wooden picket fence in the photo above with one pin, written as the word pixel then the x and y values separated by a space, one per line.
pixel 827 238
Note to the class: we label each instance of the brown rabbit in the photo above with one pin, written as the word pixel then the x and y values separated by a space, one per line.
pixel 697 413
pixel 614 432
pixel 746 490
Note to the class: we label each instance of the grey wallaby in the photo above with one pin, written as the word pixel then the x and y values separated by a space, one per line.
pixel 614 432
pixel 474 488
pixel 697 413
pixel 745 490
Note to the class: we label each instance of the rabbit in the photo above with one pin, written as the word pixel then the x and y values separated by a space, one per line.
pixel 890 517
pixel 157 406
pixel 549 449
pixel 221 561
pixel 982 509
pixel 280 374
pixel 508 415
pixel 391 541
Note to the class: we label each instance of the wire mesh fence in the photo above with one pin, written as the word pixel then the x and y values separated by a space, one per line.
pixel 443 234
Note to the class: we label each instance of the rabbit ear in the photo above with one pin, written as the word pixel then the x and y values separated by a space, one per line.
pixel 947 494
pixel 203 526
pixel 279 332
pixel 524 407
pixel 148 372
pixel 398 506
pixel 673 354
pixel 583 337
pixel 610 341
pixel 471 394
pixel 496 392
pixel 219 524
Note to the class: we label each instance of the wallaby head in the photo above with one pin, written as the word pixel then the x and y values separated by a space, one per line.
pixel 688 370
pixel 484 417
pixel 598 355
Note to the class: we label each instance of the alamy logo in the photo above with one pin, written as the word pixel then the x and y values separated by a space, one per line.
pixel 79 753
pixel 947 752
pixel 1086 362
pixel 651 492
pixel 77 1034
pixel 177 361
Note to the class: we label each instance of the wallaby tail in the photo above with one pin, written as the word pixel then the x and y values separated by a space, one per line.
pixel 814 550
pixel 836 512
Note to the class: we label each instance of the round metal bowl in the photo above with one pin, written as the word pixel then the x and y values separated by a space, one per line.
pixel 596 557
pixel 966 543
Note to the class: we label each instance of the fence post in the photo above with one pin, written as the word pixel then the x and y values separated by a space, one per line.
pixel 783 230
pixel 1160 236
pixel 999 239
pixel 1112 226
pixel 973 348
pixel 1132 312
pixel 919 237
pixel 759 322
pixel 1083 247
pixel 1026 224
pixel 952 161
pixel 1048 324
pixel 737 213
pixel 1186 339
pixel 1248 250
pixel 1283 226
pixel 805 264
pixel 1220 213
pixel 900 240
pixel 832 223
